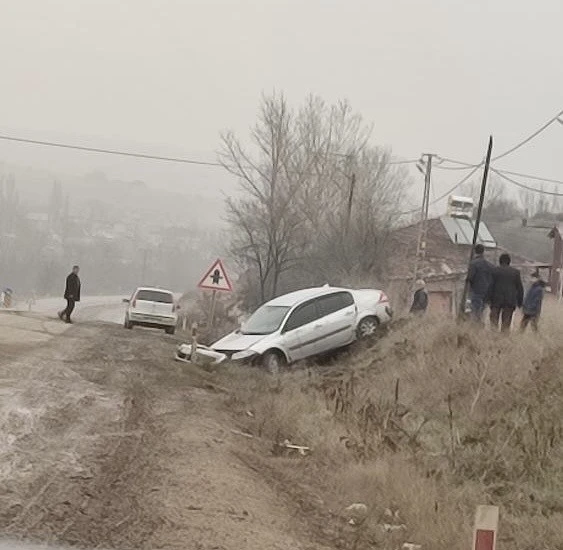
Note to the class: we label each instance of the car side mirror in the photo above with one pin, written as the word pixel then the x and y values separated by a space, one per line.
pixel 125 300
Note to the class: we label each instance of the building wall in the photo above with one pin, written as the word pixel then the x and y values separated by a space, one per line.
pixel 444 295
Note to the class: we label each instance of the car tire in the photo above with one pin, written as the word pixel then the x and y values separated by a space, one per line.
pixel 273 361
pixel 170 330
pixel 128 324
pixel 367 328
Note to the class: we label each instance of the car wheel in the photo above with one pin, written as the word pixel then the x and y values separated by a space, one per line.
pixel 128 324
pixel 367 327
pixel 273 361
pixel 170 330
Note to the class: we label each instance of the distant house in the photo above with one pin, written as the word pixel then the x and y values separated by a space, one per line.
pixel 448 247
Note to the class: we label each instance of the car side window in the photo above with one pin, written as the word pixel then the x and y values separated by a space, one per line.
pixel 305 313
pixel 335 302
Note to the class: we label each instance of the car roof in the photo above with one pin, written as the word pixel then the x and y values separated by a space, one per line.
pixel 152 289
pixel 294 298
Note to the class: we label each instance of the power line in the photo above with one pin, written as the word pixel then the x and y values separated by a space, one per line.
pixel 529 176
pixel 463 165
pixel 467 166
pixel 527 187
pixel 137 155
pixel 108 151
pixel 530 137
pixel 448 192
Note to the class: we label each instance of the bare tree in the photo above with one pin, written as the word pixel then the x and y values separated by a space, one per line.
pixel 265 223
pixel 316 198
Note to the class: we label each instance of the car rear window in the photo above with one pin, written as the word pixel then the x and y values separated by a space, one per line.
pixel 155 296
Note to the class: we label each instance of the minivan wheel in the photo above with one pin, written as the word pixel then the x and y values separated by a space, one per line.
pixel 170 330
pixel 367 327
pixel 273 362
pixel 128 324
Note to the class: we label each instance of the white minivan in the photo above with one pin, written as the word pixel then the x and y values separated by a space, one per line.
pixel 306 323
pixel 152 307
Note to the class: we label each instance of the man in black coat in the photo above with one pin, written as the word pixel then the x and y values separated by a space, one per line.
pixel 506 294
pixel 479 280
pixel 72 294
pixel 420 298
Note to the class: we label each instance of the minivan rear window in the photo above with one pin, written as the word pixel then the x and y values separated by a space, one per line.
pixel 155 296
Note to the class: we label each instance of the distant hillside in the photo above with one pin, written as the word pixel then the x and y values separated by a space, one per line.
pixel 131 200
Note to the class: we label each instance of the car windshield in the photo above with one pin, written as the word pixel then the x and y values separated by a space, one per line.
pixel 155 296
pixel 265 320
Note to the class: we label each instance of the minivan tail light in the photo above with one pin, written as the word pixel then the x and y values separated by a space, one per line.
pixel 383 298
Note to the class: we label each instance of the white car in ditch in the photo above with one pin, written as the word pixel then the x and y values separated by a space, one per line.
pixel 306 323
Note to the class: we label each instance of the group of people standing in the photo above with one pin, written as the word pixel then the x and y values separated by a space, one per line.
pixel 501 288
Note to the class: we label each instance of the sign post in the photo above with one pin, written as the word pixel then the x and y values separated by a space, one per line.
pixel 486 526
pixel 216 280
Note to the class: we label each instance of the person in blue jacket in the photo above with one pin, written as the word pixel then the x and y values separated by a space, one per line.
pixel 531 308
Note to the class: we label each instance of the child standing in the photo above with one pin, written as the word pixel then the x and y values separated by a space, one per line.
pixel 531 308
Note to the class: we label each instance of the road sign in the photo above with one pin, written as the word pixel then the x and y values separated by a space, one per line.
pixel 486 525
pixel 216 278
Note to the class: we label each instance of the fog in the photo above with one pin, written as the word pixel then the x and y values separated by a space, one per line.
pixel 167 78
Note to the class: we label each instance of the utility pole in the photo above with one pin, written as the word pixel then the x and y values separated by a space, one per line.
pixel 144 272
pixel 421 244
pixel 461 311
pixel 350 201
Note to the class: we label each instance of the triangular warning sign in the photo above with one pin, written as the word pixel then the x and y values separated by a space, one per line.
pixel 216 278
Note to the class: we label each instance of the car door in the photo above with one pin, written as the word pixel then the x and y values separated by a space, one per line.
pixel 336 322
pixel 298 337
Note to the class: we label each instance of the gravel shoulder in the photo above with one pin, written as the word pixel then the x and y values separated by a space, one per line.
pixel 106 442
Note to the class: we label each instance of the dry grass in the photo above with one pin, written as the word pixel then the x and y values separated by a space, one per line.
pixel 422 427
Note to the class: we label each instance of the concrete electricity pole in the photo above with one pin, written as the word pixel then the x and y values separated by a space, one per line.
pixel 426 168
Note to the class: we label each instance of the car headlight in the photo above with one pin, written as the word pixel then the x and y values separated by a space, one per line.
pixel 241 355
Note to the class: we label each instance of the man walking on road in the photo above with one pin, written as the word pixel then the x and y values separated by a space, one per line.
pixel 479 279
pixel 72 294
pixel 507 293
pixel 532 303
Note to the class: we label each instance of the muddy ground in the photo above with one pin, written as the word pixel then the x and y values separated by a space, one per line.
pixel 106 442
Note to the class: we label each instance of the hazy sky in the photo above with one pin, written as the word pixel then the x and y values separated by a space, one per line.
pixel 166 76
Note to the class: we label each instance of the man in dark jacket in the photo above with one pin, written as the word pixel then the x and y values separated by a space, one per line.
pixel 420 298
pixel 479 279
pixel 506 293
pixel 72 294
pixel 531 308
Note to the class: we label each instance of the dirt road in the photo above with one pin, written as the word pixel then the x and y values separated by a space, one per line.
pixel 105 442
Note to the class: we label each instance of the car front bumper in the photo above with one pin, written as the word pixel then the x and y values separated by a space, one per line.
pixel 204 354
